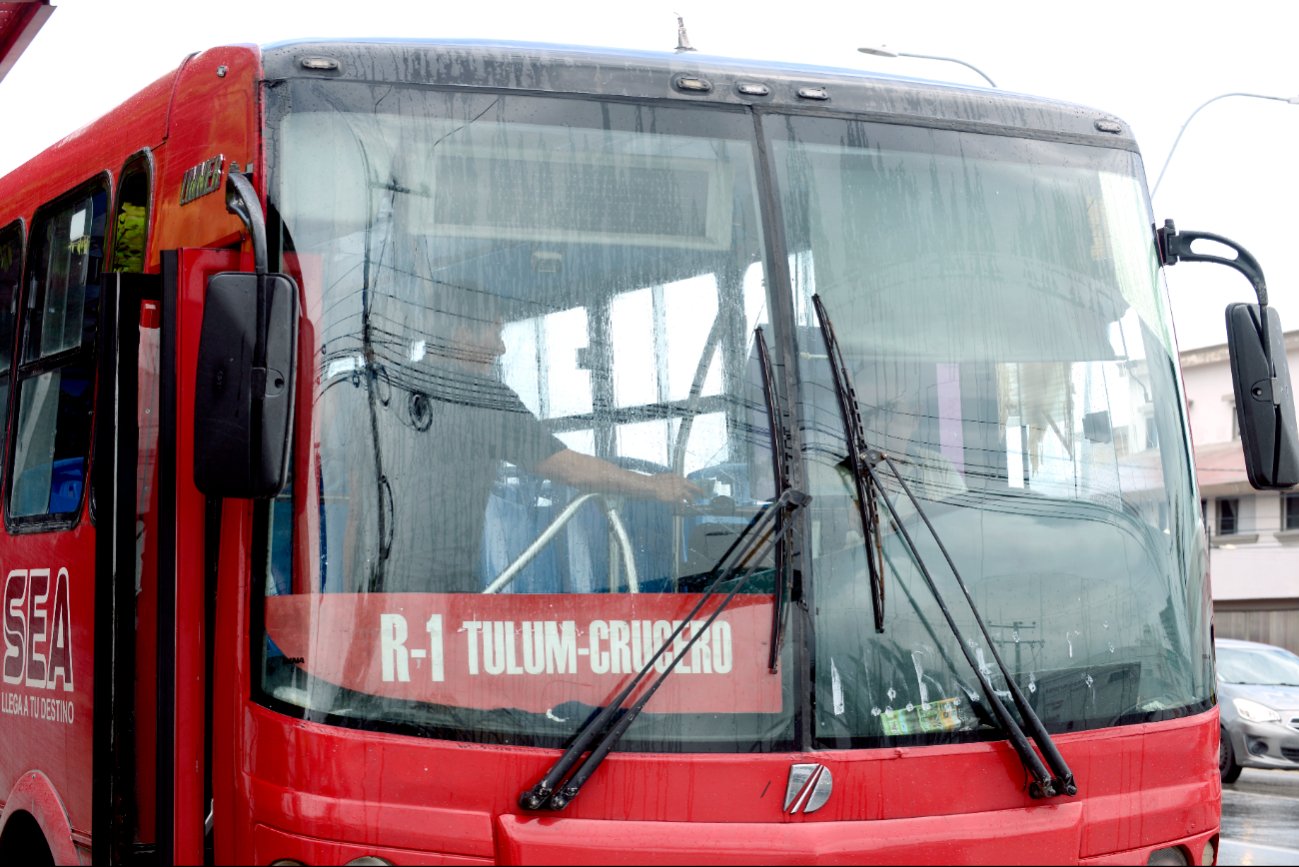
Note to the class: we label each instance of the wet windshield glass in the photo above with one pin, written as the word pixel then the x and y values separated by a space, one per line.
pixel 1272 667
pixel 533 418
pixel 998 305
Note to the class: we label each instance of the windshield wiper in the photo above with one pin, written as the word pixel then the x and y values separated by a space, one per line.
pixel 855 435
pixel 779 442
pixel 1043 785
pixel 600 733
pixel 861 461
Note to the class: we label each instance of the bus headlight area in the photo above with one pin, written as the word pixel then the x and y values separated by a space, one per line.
pixel 1172 856
pixel 529 841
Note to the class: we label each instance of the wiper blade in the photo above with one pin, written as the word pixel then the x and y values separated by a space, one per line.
pixel 860 462
pixel 558 786
pixel 1043 785
pixel 855 434
pixel 779 443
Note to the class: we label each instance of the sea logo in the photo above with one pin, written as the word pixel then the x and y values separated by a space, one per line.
pixel 37 623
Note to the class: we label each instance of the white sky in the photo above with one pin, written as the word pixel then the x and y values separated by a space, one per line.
pixel 1149 63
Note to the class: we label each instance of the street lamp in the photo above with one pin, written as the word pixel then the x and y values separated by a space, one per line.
pixel 881 51
pixel 1293 100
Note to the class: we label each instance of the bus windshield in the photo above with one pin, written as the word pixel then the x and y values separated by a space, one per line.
pixel 536 417
pixel 533 420
pixel 998 304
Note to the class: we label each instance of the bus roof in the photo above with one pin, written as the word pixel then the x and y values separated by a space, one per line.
pixel 600 72
pixel 656 75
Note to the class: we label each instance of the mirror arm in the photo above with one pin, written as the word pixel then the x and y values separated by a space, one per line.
pixel 241 200
pixel 1175 246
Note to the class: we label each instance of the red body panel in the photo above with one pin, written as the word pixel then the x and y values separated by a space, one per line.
pixel 191 681
pixel 47 728
pixel 1140 788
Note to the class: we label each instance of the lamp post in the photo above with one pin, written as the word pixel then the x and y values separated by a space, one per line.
pixel 1293 100
pixel 881 51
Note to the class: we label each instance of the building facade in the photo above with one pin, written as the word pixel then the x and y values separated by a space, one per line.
pixel 1253 535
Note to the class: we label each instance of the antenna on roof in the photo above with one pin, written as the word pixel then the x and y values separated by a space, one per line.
pixel 683 41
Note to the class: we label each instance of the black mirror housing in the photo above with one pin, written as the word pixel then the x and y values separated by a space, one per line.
pixel 1264 397
pixel 243 402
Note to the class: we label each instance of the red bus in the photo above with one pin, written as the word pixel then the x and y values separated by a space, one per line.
pixel 453 453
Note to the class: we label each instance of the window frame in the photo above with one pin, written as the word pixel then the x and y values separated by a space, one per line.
pixel 139 163
pixel 7 374
pixel 1287 500
pixel 25 370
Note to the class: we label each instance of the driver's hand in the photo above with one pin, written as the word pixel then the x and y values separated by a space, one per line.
pixel 671 488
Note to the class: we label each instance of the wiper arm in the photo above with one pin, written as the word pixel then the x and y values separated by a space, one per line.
pixel 558 787
pixel 1043 786
pixel 860 462
pixel 779 442
pixel 855 435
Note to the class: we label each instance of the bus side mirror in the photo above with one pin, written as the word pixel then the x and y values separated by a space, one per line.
pixel 1259 371
pixel 1264 399
pixel 243 402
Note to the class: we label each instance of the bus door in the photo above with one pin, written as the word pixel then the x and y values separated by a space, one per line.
pixel 126 519
pixel 156 607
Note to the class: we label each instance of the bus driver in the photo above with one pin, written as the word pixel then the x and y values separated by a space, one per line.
pixel 473 421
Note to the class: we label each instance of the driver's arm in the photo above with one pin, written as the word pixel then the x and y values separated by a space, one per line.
pixel 592 473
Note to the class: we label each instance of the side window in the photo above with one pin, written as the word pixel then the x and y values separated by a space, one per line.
pixel 131 221
pixel 11 271
pixel 55 383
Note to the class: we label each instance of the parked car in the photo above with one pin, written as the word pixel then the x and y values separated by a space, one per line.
pixel 1258 700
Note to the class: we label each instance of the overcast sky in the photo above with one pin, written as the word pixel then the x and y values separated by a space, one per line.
pixel 1150 63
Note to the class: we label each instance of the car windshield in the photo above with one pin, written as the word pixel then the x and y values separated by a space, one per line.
pixel 1267 666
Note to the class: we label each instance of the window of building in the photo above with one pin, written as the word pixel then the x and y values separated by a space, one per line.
pixel 1228 516
pixel 1290 511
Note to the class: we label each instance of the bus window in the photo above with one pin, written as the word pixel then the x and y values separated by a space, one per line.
pixel 56 372
pixel 131 224
pixel 11 269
